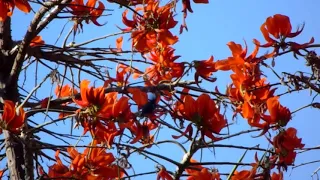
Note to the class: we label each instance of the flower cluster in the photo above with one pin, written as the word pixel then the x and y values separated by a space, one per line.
pixel 93 163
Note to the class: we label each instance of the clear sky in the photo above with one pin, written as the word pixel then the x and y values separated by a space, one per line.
pixel 211 27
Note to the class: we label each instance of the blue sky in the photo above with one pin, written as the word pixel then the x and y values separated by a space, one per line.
pixel 211 27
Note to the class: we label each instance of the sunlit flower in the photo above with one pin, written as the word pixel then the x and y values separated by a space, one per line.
pixel 152 27
pixel 203 113
pixel 7 7
pixel 278 114
pixel 86 12
pixel 37 41
pixel 205 69
pixel 94 163
pixel 285 143
pixel 12 118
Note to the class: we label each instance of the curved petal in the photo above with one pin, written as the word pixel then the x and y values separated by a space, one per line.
pixel 83 89
pixel 96 13
pixel 23 5
pixel 190 107
pixel 8 111
pixel 127 22
pixel 203 102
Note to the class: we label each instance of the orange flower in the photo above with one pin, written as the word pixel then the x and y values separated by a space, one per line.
pixel 100 113
pixel 86 12
pixel 279 26
pixel 1 173
pixel 163 174
pixel 58 170
pixel 65 91
pixel 94 163
pixel 12 119
pixel 191 171
pixel 250 100
pixel 248 91
pixel 110 120
pixel 243 175
pixel 238 59
pixel 94 104
pixel 36 41
pixel 121 108
pixel 7 7
pixel 205 69
pixel 104 132
pixel 278 114
pixel 123 74
pixel 204 174
pixel 142 132
pixel 246 68
pixel 276 176
pixel 90 96
pixel 122 70
pixel 285 143
pixel 156 73
pixel 249 174
pixel 207 118
pixel 119 43
pixel 201 172
pixel 139 97
pixel 152 28
pixel 119 111
pixel 129 2
pixel 164 69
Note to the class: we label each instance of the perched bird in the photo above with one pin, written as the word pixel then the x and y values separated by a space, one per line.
pixel 149 107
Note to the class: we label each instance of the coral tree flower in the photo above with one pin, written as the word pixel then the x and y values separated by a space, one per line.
pixel 278 114
pixel 94 163
pixel 65 91
pixel 142 132
pixel 122 75
pixel 163 174
pixel 129 2
pixel 37 41
pixel 7 7
pixel 204 113
pixel 205 69
pixel 248 91
pixel 103 115
pixel 244 174
pixel 285 143
pixel 152 27
pixel 249 174
pixel 245 78
pixel 86 12
pixel 277 176
pixel 204 174
pixel 201 173
pixel 279 26
pixel 91 96
pixel 12 118
pixel 59 170
pixel 165 68
pixel 94 103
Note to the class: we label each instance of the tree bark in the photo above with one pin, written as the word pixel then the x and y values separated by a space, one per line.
pixel 9 91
